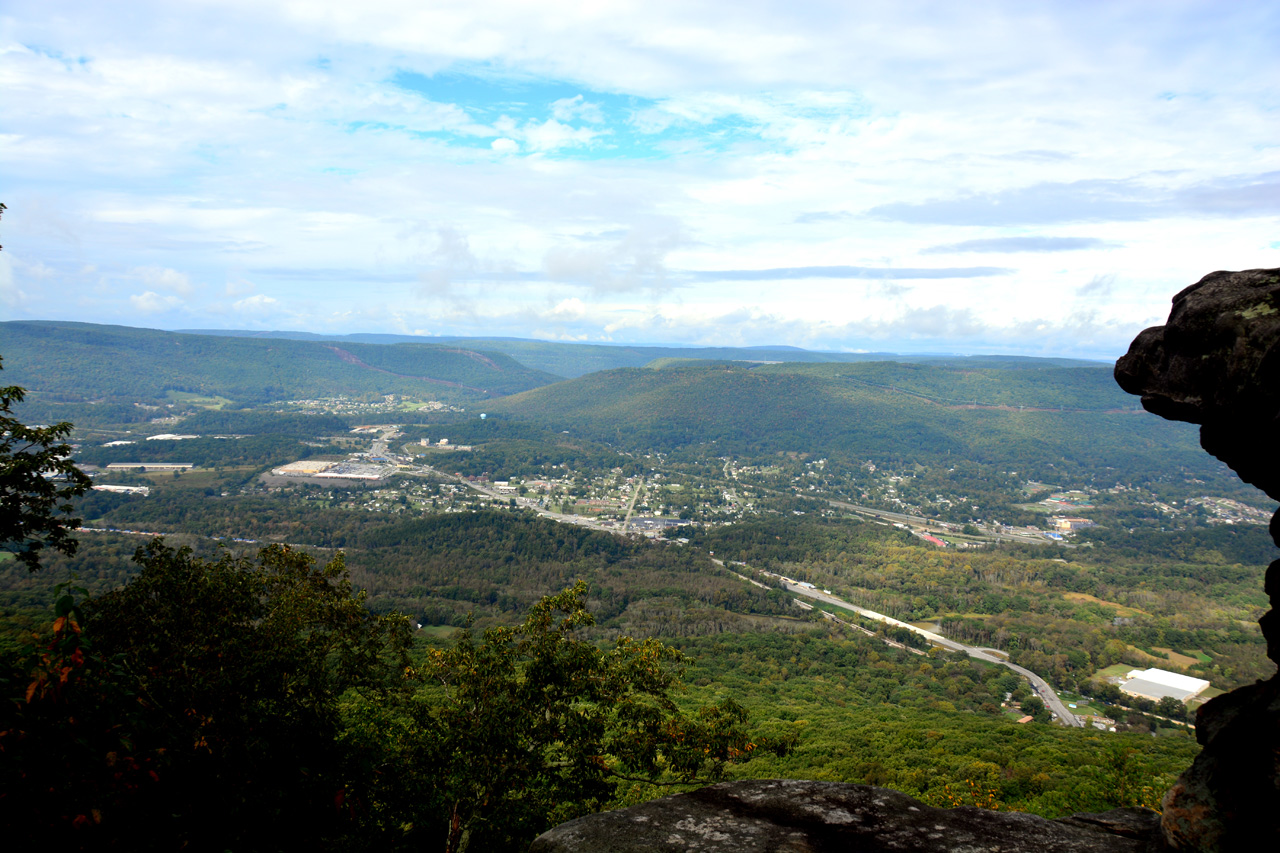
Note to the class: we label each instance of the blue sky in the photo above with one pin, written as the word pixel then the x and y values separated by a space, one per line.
pixel 1023 177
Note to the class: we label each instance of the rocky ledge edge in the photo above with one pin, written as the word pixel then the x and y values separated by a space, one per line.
pixel 793 816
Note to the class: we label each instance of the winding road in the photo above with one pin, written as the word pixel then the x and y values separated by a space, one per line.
pixel 1041 687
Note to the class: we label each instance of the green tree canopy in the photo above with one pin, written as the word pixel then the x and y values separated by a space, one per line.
pixel 195 707
pixel 534 725
pixel 37 482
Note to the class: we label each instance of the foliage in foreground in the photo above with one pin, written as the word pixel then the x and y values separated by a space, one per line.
pixel 928 725
pixel 195 706
pixel 37 482
pixel 535 725
pixel 258 704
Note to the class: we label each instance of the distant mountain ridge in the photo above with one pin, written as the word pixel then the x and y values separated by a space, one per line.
pixel 571 360
pixel 83 361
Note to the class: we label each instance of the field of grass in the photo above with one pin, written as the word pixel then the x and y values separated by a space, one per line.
pixel 204 402
pixel 1116 670
pixel 1121 610
pixel 195 478
pixel 1179 660
pixel 1082 708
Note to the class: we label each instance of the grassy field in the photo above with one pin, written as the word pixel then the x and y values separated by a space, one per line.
pixel 1180 660
pixel 196 478
pixel 202 401
pixel 1120 609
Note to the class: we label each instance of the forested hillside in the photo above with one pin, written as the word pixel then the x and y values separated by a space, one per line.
pixel 1073 422
pixel 572 359
pixel 80 362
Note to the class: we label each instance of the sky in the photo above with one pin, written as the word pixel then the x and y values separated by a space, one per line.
pixel 982 177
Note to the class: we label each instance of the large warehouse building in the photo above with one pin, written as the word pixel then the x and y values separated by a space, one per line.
pixel 1159 683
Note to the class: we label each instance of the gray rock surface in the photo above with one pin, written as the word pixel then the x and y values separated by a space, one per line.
pixel 1216 362
pixel 791 816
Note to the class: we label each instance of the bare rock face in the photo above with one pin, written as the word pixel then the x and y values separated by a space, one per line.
pixel 791 816
pixel 1216 363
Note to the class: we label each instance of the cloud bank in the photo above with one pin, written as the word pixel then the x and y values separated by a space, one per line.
pixel 928 175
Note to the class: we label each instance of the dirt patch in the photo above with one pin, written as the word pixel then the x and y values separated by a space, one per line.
pixel 1179 660
pixel 1121 610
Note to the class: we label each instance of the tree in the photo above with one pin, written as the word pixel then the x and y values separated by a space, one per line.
pixel 196 707
pixel 37 482
pixel 1035 708
pixel 535 725
pixel 1172 708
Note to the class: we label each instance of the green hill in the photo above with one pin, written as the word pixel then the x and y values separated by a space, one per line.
pixel 573 360
pixel 1072 421
pixel 81 362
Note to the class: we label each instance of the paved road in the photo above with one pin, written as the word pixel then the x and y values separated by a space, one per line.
pixel 631 508
pixel 929 524
pixel 1042 688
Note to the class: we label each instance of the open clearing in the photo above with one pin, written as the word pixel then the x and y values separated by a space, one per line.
pixel 1177 659
pixel 198 400
pixel 1121 610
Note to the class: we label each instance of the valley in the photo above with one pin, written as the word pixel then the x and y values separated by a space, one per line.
pixel 867 550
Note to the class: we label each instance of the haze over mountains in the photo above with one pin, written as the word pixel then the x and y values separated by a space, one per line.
pixel 1048 418
pixel 575 359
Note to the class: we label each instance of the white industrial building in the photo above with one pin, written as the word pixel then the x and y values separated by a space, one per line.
pixel 1158 683
pixel 150 466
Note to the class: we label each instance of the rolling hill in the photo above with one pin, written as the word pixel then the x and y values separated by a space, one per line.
pixel 81 362
pixel 1057 421
pixel 572 360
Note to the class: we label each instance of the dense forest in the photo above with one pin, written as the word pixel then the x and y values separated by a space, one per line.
pixel 1064 615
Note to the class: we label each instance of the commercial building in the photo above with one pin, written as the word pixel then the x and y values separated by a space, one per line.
pixel 150 466
pixel 1156 684
pixel 303 468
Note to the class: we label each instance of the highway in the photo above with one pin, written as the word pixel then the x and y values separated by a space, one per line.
pixel 1041 687
pixel 927 524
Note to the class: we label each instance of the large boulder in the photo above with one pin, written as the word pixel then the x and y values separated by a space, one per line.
pixel 1216 362
pixel 792 816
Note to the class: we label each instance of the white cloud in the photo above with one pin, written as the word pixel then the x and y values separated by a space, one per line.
pixel 569 308
pixel 10 294
pixel 577 107
pixel 239 286
pixel 636 261
pixel 164 279
pixel 151 302
pixel 560 138
pixel 256 305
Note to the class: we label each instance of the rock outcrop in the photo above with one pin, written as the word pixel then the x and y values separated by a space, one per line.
pixel 1216 362
pixel 791 816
